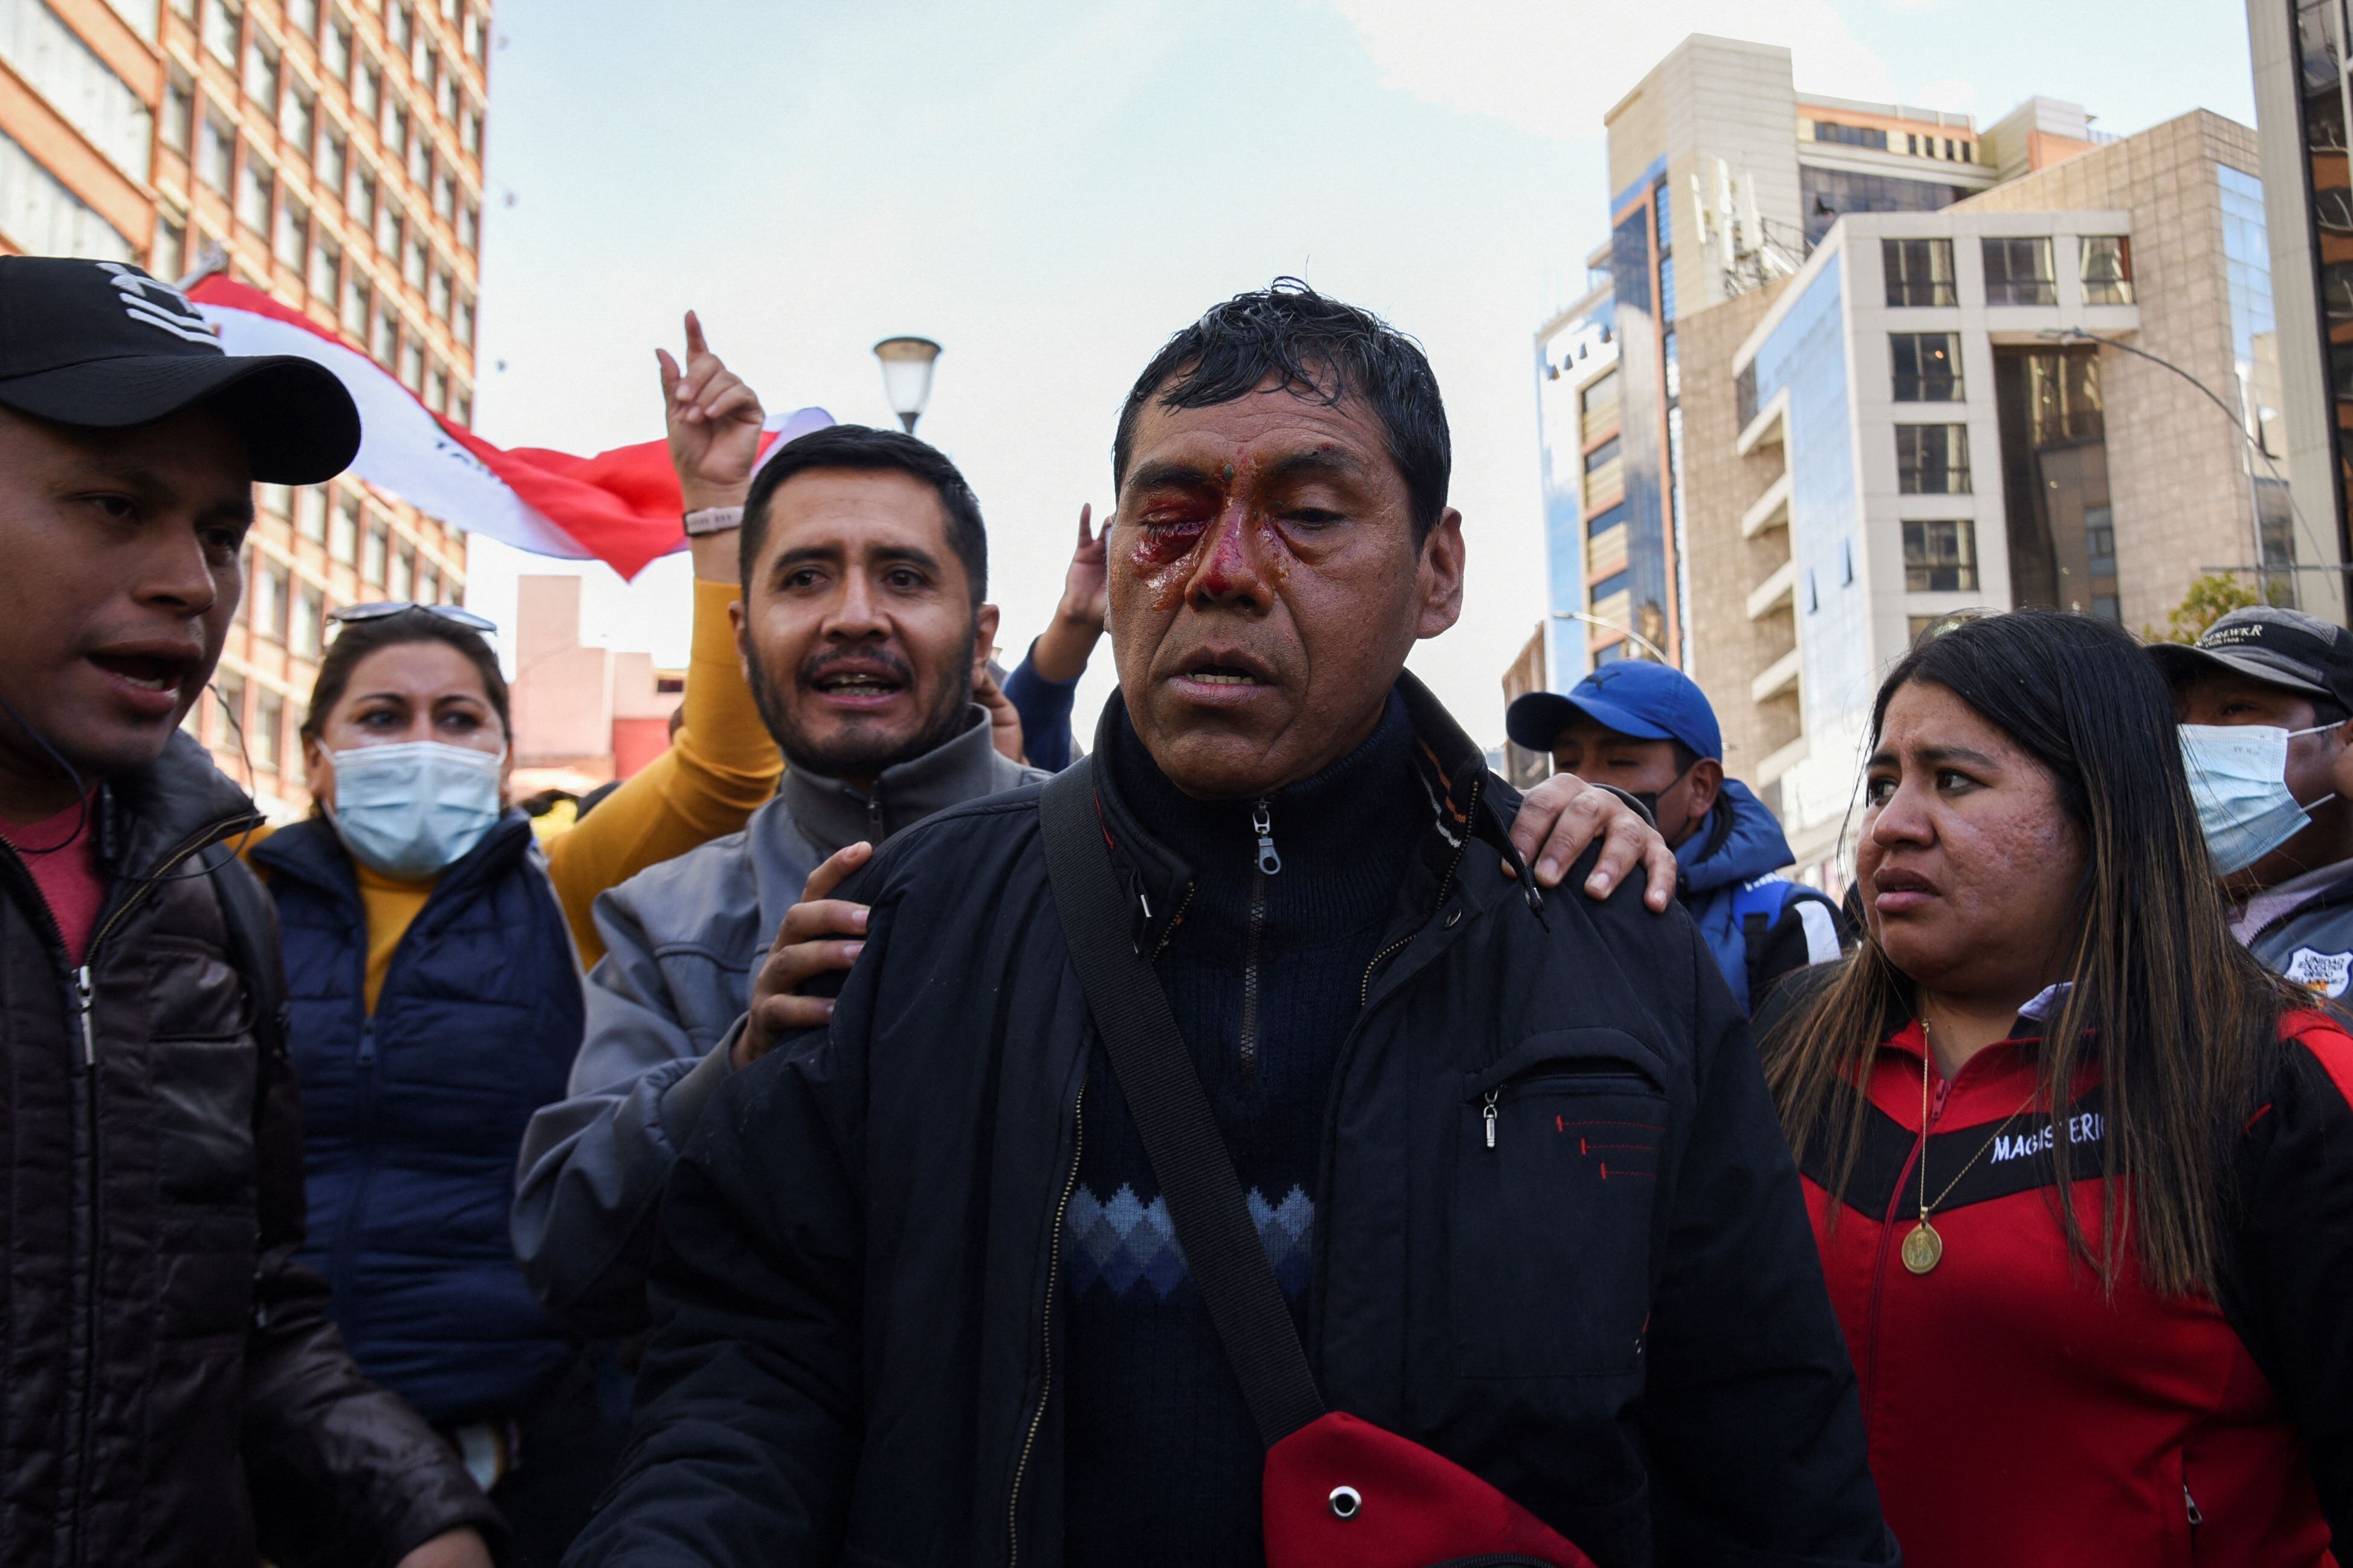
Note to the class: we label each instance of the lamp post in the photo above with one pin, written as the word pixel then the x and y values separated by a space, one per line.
pixel 907 376
pixel 1630 635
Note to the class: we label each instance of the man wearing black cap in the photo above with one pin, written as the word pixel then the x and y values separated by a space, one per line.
pixel 174 1393
pixel 2264 699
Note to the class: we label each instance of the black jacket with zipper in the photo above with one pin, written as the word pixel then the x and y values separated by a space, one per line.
pixel 175 1394
pixel 858 1352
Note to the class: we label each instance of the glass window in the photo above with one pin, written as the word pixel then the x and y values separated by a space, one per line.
pixel 420 259
pixel 326 262
pixel 420 159
pixel 461 323
pixel 2107 269
pixel 1827 195
pixel 388 231
pixel 179 111
pixel 437 295
pixel 171 255
pixel 299 120
pixel 367 89
pixel 412 364
pixel 386 343
pixel 1919 271
pixel 355 302
pixel 1597 406
pixel 217 153
pixel 254 192
pixel 371 558
pixel 335 155
pixel 223 27
pixel 403 583
pixel 268 720
pixel 2018 272
pixel 311 514
pixel 363 210
pixel 445 195
pixel 394 127
pixel 267 607
pixel 469 226
pixel 436 388
pixel 1849 135
pixel 261 75
pixel 1927 366
pixel 228 689
pixel 302 632
pixel 461 409
pixel 1940 555
pixel 293 232
pixel 303 16
pixel 1931 459
pixel 343 527
pixel 470 132
pixel 335 48
pixel 428 585
pixel 400 26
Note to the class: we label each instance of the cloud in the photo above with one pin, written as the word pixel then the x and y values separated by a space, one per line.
pixel 1553 67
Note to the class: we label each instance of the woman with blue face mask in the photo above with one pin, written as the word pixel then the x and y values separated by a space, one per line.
pixel 436 1003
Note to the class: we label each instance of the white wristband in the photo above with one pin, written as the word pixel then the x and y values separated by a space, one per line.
pixel 713 520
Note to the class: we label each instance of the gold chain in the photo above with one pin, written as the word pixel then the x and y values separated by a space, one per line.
pixel 1924 1248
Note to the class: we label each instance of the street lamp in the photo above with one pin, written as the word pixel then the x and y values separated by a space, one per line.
pixel 907 376
pixel 1630 635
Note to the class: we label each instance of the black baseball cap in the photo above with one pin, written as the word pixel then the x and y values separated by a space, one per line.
pixel 102 345
pixel 2279 647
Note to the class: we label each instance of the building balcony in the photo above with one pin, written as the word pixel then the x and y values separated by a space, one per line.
pixel 1780 676
pixel 1767 428
pixel 1771 509
pixel 1774 593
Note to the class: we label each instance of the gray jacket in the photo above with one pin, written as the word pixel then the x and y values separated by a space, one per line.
pixel 2311 941
pixel 682 941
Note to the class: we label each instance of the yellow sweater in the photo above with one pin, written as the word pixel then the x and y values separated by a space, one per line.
pixel 720 770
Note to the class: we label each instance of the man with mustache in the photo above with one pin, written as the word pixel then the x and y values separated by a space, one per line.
pixel 1521 1195
pixel 862 631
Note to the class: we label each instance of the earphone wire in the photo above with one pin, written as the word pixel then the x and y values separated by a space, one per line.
pixel 82 792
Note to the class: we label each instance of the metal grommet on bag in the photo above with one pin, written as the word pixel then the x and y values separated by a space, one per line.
pixel 1346 1502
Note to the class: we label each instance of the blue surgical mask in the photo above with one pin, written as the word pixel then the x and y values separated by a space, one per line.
pixel 2238 776
pixel 412 810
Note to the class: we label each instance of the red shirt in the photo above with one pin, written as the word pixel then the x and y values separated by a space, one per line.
pixel 2017 1415
pixel 61 852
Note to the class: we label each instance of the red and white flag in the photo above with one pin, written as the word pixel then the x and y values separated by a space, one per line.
pixel 619 506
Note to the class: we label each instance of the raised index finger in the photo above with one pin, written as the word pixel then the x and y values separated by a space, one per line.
pixel 839 864
pixel 694 344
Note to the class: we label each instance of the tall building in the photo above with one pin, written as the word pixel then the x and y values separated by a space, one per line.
pixel 2003 402
pixel 584 715
pixel 1582 473
pixel 2302 53
pixel 332 151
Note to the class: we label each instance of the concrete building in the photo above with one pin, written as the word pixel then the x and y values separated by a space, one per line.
pixel 1583 478
pixel 332 149
pixel 2303 57
pixel 1916 425
pixel 1724 177
pixel 584 715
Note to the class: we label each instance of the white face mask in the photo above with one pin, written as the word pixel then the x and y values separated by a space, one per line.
pixel 2238 776
pixel 413 809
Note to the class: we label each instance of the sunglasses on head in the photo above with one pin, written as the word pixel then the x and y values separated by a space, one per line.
pixel 350 615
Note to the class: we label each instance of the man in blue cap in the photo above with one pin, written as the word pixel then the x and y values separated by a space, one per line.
pixel 1648 730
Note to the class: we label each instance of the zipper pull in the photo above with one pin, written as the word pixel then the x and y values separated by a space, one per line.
pixel 367 1058
pixel 2196 1518
pixel 83 1004
pixel 1268 862
pixel 1487 1114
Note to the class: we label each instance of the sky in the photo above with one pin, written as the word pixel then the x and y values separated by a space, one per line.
pixel 1050 188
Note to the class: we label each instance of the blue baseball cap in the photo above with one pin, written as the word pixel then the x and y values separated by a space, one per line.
pixel 1633 696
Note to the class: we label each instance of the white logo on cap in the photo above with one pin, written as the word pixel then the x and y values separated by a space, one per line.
pixel 158 304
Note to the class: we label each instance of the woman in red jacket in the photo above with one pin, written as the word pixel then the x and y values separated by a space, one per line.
pixel 2090 1226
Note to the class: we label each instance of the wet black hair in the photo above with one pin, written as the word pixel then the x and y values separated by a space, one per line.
pixel 1319 348
pixel 866 450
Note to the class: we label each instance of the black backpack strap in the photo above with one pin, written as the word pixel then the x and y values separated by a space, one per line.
pixel 253 947
pixel 1172 1116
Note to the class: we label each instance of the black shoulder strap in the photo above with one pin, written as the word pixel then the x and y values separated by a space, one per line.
pixel 252 937
pixel 1172 1116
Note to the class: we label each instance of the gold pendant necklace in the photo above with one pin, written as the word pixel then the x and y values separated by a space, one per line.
pixel 1923 1248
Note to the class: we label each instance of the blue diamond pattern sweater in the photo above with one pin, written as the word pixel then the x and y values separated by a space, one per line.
pixel 1263 974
